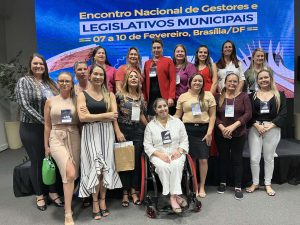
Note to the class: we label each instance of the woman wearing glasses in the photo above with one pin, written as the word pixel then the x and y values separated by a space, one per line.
pixel 62 139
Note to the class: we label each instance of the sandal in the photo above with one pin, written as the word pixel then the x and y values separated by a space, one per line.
pixel 69 218
pixel 41 207
pixel 96 215
pixel 181 201
pixel 125 203
pixel 271 192
pixel 104 212
pixel 202 194
pixel 252 188
pixel 137 201
pixel 175 209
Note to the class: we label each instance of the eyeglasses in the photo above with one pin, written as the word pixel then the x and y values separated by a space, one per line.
pixel 64 81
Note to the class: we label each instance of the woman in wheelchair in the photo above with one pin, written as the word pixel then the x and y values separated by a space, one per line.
pixel 166 143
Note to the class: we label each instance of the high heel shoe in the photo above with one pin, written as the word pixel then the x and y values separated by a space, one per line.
pixel 41 207
pixel 69 218
pixel 137 201
pixel 104 212
pixel 125 203
pixel 96 215
pixel 54 201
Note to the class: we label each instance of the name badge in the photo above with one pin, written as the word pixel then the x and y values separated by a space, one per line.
pixel 153 70
pixel 166 137
pixel 229 111
pixel 264 107
pixel 177 78
pixel 135 112
pixel 196 110
pixel 66 116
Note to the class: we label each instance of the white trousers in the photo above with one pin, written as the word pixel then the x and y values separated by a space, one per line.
pixel 267 144
pixel 170 174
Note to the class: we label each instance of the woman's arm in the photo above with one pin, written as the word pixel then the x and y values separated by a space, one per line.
pixel 24 89
pixel 48 126
pixel 242 78
pixel 213 88
pixel 85 116
pixel 211 124
pixel 150 150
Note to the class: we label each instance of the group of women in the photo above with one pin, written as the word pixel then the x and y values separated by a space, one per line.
pixel 78 124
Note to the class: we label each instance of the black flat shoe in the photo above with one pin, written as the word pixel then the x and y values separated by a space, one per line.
pixel 41 207
pixel 57 204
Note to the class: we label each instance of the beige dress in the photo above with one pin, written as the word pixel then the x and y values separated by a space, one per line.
pixel 64 140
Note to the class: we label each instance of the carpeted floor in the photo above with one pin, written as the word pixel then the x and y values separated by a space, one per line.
pixel 256 208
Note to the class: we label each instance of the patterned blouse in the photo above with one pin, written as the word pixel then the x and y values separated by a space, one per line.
pixel 125 107
pixel 31 97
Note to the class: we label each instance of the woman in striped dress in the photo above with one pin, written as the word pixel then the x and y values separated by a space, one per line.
pixel 97 109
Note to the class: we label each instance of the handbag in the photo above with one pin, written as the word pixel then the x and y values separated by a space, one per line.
pixel 124 156
pixel 21 179
pixel 48 171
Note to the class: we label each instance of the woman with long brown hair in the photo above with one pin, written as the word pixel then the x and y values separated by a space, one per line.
pixel 229 63
pixel 198 111
pixel 32 91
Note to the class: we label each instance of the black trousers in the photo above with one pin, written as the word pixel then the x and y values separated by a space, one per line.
pixel 135 133
pixel 32 137
pixel 230 152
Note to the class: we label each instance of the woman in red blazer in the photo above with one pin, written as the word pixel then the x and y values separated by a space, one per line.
pixel 160 77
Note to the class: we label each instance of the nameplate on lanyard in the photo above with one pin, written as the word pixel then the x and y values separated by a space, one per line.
pixel 66 116
pixel 196 110
pixel 135 112
pixel 166 137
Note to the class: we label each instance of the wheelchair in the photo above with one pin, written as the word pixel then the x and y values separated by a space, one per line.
pixel 189 183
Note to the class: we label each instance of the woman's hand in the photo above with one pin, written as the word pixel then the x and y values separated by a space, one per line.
pixel 207 138
pixel 84 109
pixel 164 157
pixel 175 154
pixel 170 102
pixel 120 137
pixel 112 116
pixel 47 151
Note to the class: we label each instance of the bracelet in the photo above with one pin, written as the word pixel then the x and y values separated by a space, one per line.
pixel 180 151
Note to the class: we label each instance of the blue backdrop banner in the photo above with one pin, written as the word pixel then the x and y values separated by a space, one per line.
pixel 68 31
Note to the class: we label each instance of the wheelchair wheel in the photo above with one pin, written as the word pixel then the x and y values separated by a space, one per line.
pixel 151 212
pixel 198 206
pixel 144 177
pixel 192 170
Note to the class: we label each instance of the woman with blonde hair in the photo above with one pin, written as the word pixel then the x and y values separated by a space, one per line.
pixel 258 62
pixel 130 127
pixel 62 138
pixel 133 62
pixel 268 117
pixel 97 109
